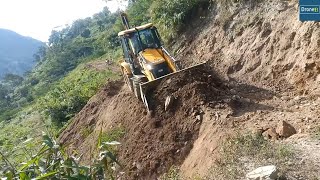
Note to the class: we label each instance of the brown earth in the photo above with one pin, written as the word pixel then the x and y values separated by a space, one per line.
pixel 152 144
pixel 268 66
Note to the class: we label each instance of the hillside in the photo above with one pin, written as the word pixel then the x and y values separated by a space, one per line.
pixel 16 52
pixel 253 103
pixel 263 68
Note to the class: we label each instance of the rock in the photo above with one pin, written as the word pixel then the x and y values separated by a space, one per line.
pixel 257 131
pixel 270 134
pixel 168 103
pixel 265 172
pixel 308 119
pixel 285 130
pixel 285 98
pixel 233 91
pixel 199 117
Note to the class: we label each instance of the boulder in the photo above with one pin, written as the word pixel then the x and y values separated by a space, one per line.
pixel 270 134
pixel 263 173
pixel 285 130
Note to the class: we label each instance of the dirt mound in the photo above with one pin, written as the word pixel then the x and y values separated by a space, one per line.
pixel 151 145
pixel 86 120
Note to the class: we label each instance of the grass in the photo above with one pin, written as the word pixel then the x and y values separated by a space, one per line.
pixel 172 174
pixel 115 134
pixel 316 133
pixel 243 153
pixel 86 131
pixel 20 137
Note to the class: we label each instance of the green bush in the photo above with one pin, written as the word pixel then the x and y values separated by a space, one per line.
pixel 71 94
pixel 170 15
pixel 51 162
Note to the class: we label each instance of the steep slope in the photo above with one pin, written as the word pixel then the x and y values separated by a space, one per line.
pixel 269 65
pixel 151 145
pixel 16 52
pixel 262 43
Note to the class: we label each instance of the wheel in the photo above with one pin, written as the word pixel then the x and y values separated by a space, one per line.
pixel 136 81
pixel 127 80
pixel 136 88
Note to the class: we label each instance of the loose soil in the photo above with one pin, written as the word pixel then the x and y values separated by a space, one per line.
pixel 152 143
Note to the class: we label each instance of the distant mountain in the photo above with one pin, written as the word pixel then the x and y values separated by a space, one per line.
pixel 16 52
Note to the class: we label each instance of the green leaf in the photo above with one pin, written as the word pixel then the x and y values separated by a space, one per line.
pixel 47 140
pixel 23 176
pixel 100 138
pixel 45 176
pixel 43 149
pixel 9 175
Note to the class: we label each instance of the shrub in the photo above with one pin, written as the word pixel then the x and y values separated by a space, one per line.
pixel 71 94
pixel 170 15
pixel 51 162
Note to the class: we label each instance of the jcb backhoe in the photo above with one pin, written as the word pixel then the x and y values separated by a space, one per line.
pixel 146 61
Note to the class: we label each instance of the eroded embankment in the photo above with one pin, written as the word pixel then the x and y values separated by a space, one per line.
pixel 151 144
pixel 261 43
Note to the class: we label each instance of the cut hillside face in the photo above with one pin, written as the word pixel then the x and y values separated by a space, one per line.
pixel 257 42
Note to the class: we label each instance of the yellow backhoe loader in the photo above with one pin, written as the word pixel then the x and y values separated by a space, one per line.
pixel 145 61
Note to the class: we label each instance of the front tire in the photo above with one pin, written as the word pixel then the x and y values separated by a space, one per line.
pixel 136 88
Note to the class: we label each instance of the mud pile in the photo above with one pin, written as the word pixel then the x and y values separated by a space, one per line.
pixel 151 144
pixel 154 144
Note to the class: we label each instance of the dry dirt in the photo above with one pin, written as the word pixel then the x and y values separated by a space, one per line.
pixel 152 144
pixel 263 67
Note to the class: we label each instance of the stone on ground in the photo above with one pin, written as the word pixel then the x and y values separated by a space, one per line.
pixel 285 130
pixel 263 173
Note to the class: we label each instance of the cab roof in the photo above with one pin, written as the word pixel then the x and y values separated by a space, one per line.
pixel 135 29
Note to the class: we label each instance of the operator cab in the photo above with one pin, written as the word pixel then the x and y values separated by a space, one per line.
pixel 140 38
pixel 144 42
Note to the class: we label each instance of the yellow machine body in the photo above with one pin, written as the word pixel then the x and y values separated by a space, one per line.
pixel 145 60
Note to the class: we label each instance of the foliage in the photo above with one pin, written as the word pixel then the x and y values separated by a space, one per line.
pixel 172 174
pixel 171 15
pixel 113 135
pixel 52 162
pixel 69 96
pixel 20 137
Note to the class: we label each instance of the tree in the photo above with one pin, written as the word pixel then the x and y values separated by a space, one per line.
pixel 13 79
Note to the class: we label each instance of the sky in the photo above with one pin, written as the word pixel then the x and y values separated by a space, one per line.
pixel 36 18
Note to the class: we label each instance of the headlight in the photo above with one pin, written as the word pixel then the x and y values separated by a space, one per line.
pixel 149 67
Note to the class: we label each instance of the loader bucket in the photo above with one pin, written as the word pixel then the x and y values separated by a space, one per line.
pixel 146 88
